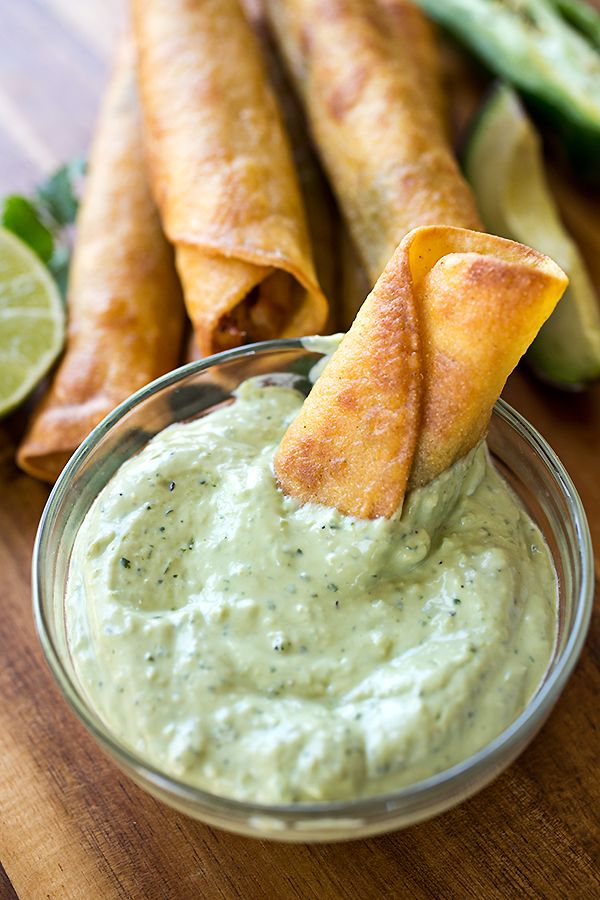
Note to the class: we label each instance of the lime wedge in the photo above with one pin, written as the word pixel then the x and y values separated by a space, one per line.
pixel 32 321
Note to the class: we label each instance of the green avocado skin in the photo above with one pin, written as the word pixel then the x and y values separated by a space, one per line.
pixel 583 17
pixel 555 67
pixel 503 163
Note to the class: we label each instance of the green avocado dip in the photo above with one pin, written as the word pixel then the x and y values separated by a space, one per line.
pixel 277 653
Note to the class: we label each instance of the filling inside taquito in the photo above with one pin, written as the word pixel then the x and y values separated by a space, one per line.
pixel 261 302
pixel 264 310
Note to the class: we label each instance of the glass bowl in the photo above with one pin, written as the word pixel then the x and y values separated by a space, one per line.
pixel 523 457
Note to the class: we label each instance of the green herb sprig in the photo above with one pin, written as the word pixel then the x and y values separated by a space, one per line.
pixel 44 221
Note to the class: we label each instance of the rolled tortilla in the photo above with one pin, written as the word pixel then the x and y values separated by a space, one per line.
pixel 125 310
pixel 321 213
pixel 481 300
pixel 368 71
pixel 223 176
pixel 411 388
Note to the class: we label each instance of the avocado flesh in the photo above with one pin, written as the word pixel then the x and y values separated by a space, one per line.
pixel 504 165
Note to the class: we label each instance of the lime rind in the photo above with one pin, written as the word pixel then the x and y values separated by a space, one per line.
pixel 32 321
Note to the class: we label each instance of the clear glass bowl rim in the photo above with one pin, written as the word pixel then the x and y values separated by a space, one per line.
pixel 493 755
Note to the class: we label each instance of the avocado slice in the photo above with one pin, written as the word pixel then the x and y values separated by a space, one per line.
pixel 503 163
pixel 529 44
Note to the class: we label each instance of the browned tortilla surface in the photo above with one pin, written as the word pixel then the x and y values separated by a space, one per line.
pixel 321 214
pixel 369 74
pixel 223 176
pixel 481 301
pixel 125 310
pixel 411 388
pixel 352 444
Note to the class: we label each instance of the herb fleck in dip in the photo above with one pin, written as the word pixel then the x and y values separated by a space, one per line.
pixel 277 653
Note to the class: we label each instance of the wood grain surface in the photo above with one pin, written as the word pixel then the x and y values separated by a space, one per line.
pixel 70 824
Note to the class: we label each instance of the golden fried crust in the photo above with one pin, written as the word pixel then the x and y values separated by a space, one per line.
pixel 352 444
pixel 481 301
pixel 125 310
pixel 221 169
pixel 410 29
pixel 321 214
pixel 411 388
pixel 369 75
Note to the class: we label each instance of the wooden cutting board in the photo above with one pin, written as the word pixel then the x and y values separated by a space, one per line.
pixel 70 824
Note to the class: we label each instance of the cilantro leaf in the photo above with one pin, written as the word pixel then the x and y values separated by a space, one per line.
pixel 59 194
pixel 21 217
pixel 44 221
pixel 59 267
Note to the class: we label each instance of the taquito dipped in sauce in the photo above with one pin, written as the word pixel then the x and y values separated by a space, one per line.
pixel 277 652
pixel 294 600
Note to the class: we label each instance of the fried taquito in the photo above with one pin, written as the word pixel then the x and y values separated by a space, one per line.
pixel 223 175
pixel 124 299
pixel 411 388
pixel 369 75
pixel 321 213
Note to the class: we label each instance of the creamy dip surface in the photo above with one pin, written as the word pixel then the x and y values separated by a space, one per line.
pixel 276 653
